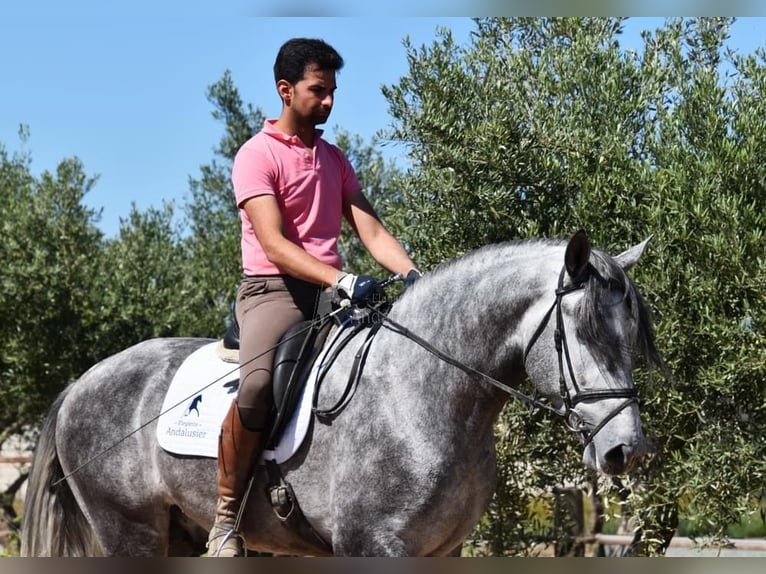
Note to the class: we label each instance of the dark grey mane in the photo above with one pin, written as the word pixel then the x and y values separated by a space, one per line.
pixel 604 276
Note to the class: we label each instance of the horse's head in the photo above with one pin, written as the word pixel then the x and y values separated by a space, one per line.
pixel 581 353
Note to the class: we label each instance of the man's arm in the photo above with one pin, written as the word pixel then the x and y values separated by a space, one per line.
pixel 263 212
pixel 383 246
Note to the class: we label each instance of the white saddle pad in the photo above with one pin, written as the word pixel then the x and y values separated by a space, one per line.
pixel 200 394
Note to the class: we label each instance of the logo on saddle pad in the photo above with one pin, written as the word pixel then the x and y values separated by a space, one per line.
pixel 200 395
pixel 194 406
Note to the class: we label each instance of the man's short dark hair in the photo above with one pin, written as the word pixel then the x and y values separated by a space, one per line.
pixel 298 53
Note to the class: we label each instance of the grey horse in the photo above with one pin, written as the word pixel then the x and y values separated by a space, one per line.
pixel 408 467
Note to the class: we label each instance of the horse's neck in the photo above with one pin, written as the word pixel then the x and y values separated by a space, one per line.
pixel 476 310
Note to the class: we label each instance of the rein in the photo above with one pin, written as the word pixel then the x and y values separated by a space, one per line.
pixel 573 420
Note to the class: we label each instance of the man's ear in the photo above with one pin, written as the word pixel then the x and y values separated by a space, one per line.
pixel 285 91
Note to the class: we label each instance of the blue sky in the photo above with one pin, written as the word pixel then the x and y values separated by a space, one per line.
pixel 126 94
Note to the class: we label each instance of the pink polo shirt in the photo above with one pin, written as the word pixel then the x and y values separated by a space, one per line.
pixel 309 189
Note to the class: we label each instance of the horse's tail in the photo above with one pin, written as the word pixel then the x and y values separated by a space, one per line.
pixel 52 523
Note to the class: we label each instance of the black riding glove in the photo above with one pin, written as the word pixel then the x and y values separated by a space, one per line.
pixel 412 276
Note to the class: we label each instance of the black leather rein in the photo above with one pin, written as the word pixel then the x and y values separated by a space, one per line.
pixel 573 420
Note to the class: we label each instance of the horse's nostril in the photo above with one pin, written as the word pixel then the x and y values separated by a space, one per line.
pixel 617 457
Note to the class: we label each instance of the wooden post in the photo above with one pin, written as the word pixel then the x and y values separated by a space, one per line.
pixel 568 522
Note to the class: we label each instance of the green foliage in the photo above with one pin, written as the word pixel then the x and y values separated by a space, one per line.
pixel 541 126
pixel 144 281
pixel 49 257
pixel 213 241
pixel 379 181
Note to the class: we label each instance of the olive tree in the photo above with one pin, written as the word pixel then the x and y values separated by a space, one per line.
pixel 49 256
pixel 541 126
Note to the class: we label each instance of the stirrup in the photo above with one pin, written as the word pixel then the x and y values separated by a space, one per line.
pixel 228 534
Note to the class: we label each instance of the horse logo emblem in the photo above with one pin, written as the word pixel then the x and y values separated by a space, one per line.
pixel 194 405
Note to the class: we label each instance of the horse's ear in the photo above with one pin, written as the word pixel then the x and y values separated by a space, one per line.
pixel 577 254
pixel 627 259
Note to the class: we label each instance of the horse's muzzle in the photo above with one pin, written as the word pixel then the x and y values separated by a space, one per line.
pixel 619 459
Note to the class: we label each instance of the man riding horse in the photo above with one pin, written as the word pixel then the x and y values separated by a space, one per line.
pixel 292 188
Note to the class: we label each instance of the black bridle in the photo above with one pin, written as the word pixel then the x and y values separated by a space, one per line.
pixel 572 418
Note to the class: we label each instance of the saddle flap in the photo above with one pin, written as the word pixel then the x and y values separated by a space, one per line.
pixel 297 351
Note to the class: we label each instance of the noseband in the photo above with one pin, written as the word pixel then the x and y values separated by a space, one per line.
pixel 572 418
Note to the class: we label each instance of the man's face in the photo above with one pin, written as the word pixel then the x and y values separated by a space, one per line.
pixel 311 98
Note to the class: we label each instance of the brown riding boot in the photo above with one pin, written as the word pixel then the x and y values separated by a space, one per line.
pixel 238 449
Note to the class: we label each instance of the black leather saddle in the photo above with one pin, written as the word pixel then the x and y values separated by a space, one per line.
pixel 298 349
